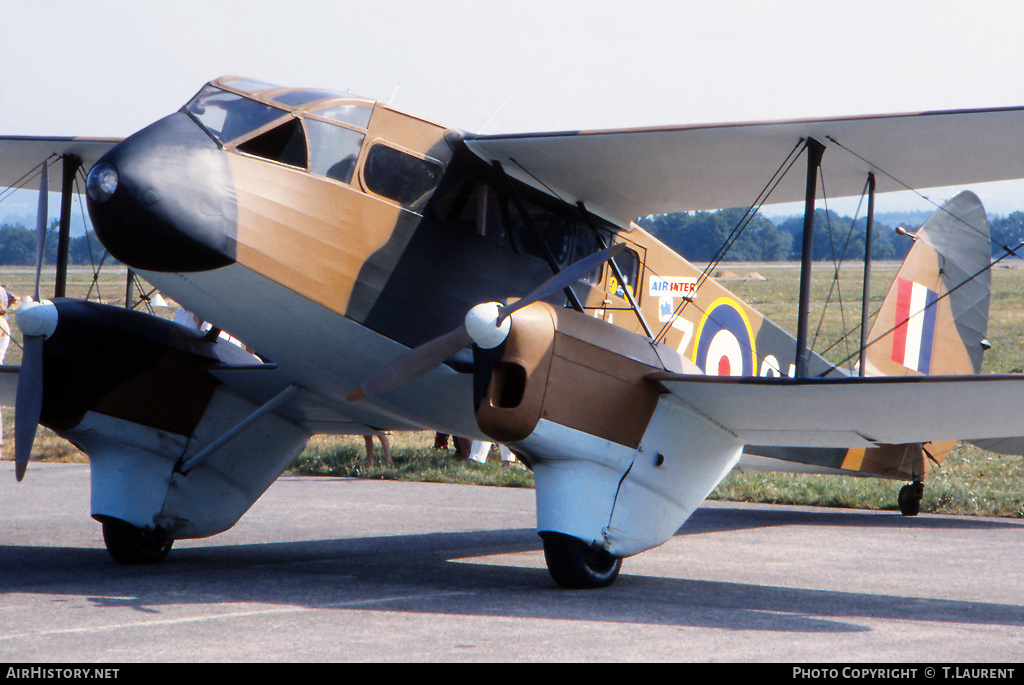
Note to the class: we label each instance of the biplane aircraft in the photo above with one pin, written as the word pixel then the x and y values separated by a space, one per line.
pixel 385 272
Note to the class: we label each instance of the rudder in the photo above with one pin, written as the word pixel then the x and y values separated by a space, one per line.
pixel 935 317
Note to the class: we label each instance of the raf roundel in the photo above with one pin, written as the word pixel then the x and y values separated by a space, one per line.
pixel 725 342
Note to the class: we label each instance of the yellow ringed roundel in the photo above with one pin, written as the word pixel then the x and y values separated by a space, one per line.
pixel 724 343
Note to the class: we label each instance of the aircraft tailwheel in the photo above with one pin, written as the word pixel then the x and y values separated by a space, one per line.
pixel 909 498
pixel 130 545
pixel 575 565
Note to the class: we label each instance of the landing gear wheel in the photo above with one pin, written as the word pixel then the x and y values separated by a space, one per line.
pixel 576 566
pixel 909 498
pixel 130 545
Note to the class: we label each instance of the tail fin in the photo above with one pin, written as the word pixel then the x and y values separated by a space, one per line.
pixel 933 322
pixel 934 319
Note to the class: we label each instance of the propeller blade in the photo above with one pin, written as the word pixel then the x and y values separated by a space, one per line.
pixel 37 321
pixel 417 362
pixel 28 401
pixel 563 279
pixel 44 198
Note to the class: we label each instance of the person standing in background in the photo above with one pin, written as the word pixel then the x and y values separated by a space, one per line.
pixel 6 299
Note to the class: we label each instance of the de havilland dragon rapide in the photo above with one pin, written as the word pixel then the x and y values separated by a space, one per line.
pixel 378 271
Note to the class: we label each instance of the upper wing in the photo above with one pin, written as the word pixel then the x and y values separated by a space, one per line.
pixel 854 412
pixel 20 154
pixel 625 174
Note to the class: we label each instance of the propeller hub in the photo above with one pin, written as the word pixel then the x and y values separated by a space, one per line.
pixel 483 327
pixel 37 318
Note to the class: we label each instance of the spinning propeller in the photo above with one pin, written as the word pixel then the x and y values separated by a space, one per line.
pixel 486 326
pixel 37 320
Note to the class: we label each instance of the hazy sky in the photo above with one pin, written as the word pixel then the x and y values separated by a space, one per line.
pixel 108 68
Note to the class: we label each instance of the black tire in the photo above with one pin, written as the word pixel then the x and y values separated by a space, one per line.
pixel 575 565
pixel 909 499
pixel 130 545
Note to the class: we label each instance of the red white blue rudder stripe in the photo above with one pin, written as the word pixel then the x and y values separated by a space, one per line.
pixel 915 325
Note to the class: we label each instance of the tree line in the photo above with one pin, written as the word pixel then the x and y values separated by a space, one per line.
pixel 699 236
pixel 18 247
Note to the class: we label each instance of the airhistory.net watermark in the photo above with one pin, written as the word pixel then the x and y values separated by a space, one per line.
pixel 56 673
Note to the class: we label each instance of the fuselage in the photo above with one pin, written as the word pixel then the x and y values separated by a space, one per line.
pixel 330 233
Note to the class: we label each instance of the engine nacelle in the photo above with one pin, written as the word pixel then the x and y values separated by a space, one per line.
pixel 570 369
pixel 614 467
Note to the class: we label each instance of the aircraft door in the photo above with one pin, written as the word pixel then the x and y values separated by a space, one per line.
pixel 616 307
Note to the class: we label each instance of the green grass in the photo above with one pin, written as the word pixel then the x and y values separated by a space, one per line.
pixel 414 460
pixel 971 481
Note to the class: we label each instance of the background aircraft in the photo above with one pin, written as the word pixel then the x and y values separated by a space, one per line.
pixel 376 231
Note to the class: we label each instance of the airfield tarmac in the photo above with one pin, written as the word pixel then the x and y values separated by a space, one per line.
pixel 324 569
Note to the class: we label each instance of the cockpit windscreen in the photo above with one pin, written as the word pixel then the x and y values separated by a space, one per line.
pixel 228 116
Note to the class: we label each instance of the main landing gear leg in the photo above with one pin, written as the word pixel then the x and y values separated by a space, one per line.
pixel 575 565
pixel 909 498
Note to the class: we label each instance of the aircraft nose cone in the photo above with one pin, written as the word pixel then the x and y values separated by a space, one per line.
pixel 162 200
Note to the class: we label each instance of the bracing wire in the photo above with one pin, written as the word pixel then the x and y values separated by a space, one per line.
pixel 847 332
pixel 30 175
pixel 744 221
pixel 1007 252
pixel 921 195
pixel 989 267
pixel 96 268
pixel 835 287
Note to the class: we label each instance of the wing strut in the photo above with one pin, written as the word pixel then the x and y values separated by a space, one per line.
pixel 71 165
pixel 815 150
pixel 266 408
pixel 867 276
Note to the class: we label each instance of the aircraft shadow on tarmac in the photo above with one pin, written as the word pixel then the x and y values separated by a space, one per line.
pixel 416 573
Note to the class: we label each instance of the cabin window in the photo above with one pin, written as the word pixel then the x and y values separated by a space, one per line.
pixel 333 150
pixel 477 207
pixel 285 144
pixel 227 116
pixel 473 206
pixel 399 176
pixel 553 229
pixel 628 262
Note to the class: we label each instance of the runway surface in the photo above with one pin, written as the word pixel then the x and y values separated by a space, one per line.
pixel 352 570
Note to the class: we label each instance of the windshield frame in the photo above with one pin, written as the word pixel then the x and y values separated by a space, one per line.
pixel 256 114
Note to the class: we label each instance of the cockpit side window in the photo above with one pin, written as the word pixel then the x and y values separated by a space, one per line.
pixel 333 150
pixel 227 116
pixel 285 144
